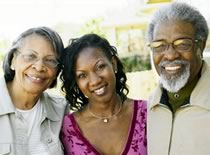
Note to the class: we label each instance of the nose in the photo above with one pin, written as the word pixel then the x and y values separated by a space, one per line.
pixel 170 53
pixel 39 65
pixel 94 79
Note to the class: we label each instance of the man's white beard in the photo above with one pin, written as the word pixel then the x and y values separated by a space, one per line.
pixel 175 83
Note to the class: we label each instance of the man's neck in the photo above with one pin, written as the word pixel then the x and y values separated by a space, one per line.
pixel 178 99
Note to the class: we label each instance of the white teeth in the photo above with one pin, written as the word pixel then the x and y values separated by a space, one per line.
pixel 34 78
pixel 172 68
pixel 99 91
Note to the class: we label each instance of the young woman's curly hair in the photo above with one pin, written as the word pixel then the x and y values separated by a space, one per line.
pixel 73 94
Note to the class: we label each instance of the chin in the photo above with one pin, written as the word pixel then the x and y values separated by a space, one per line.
pixel 175 83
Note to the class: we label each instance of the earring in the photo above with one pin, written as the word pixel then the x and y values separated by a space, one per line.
pixel 33 66
pixel 115 71
pixel 76 90
pixel 12 68
pixel 122 80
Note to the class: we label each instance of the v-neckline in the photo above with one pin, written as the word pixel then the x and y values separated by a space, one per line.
pixel 129 135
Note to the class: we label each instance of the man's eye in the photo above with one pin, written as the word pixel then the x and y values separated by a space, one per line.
pixel 183 46
pixel 157 44
pixel 160 47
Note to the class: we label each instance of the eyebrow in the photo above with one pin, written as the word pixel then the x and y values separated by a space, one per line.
pixel 31 50
pixel 100 59
pixel 172 41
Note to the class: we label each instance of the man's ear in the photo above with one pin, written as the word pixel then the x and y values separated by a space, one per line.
pixel 201 47
pixel 114 64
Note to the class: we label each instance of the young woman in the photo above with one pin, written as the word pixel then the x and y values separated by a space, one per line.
pixel 105 121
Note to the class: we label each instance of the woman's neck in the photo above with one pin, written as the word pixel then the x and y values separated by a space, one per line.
pixel 105 109
pixel 20 98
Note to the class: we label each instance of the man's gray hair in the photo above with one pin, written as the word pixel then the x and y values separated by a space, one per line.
pixel 180 12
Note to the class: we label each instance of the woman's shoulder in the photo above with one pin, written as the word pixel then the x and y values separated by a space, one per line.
pixel 68 115
pixel 68 119
pixel 55 103
pixel 56 100
pixel 141 103
pixel 138 106
pixel 137 102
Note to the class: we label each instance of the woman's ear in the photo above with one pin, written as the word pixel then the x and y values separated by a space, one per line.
pixel 13 62
pixel 114 64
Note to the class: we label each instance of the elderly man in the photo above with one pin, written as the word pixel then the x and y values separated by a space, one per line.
pixel 179 108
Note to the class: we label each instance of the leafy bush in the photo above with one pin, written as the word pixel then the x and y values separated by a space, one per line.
pixel 1 56
pixel 136 63
pixel 93 26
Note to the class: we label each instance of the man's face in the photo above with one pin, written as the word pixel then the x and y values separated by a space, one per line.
pixel 176 54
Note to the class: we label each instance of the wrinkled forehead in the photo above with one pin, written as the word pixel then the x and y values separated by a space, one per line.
pixel 172 30
pixel 24 39
pixel 37 44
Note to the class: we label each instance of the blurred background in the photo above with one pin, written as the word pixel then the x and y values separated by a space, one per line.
pixel 122 22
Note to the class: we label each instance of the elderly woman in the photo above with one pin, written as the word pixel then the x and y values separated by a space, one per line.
pixel 106 121
pixel 31 118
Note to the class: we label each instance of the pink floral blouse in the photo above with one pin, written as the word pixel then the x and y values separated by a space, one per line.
pixel 76 144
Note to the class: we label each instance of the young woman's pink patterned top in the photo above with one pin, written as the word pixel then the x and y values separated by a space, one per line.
pixel 76 144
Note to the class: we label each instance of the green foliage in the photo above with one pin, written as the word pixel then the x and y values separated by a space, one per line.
pixel 136 63
pixel 1 56
pixel 1 62
pixel 67 30
pixel 131 63
pixel 93 26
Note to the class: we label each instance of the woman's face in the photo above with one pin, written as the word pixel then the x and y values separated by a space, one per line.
pixel 33 72
pixel 95 75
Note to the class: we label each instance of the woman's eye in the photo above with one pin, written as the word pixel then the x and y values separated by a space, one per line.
pixel 51 61
pixel 80 76
pixel 101 66
pixel 29 57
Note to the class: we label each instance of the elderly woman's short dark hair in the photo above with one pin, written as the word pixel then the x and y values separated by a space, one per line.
pixel 49 34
